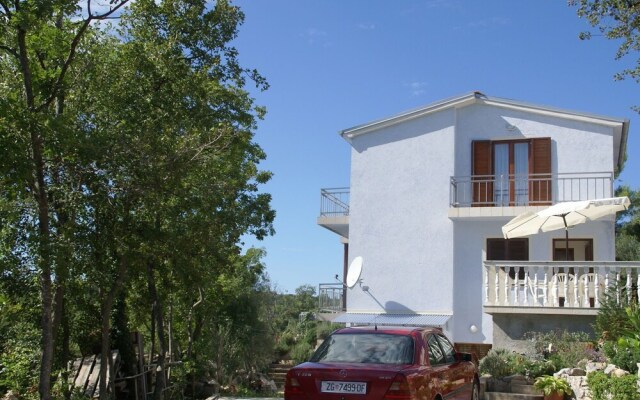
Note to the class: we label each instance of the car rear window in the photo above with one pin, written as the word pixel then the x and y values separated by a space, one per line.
pixel 367 348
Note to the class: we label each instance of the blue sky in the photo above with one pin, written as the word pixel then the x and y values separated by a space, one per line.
pixel 336 64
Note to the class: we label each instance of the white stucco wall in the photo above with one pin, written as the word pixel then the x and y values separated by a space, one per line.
pixel 398 220
pixel 416 258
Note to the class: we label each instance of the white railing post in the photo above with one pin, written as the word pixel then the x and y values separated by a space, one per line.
pixel 486 284
pixel 506 285
pixel 617 287
pixel 576 300
pixel 497 286
pixel 596 290
pixel 545 288
pixel 629 285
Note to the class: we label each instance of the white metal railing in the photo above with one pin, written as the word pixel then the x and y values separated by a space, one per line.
pixel 528 190
pixel 553 284
pixel 334 202
pixel 331 297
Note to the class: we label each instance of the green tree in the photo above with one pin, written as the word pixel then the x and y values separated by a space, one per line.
pixel 131 160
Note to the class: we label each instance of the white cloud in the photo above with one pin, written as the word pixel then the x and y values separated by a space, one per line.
pixel 417 88
pixel 366 26
pixel 314 35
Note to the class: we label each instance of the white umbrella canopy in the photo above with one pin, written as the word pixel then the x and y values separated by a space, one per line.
pixel 562 216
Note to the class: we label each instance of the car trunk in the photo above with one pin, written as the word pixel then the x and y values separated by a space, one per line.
pixel 345 381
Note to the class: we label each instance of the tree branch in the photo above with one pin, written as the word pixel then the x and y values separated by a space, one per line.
pixel 72 50
pixel 10 50
pixel 6 9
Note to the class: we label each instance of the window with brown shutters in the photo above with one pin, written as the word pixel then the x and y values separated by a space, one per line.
pixel 511 172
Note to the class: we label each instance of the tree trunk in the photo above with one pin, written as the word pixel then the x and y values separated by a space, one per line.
pixel 43 239
pixel 106 308
pixel 160 370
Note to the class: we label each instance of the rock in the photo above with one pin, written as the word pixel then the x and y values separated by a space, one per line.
pixel 619 373
pixel 10 395
pixel 268 385
pixel 562 372
pixel 609 369
pixel 595 366
pixel 577 372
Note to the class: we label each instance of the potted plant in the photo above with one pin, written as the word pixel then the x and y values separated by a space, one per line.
pixel 553 388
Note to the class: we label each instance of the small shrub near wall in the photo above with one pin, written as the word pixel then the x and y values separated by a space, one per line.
pixel 604 387
pixel 563 348
pixel 500 363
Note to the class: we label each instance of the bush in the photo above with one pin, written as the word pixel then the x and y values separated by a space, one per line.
pixel 20 361
pixel 563 348
pixel 301 352
pixel 498 363
pixel 605 387
pixel 625 357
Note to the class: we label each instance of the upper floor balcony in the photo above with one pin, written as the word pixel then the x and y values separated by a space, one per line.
pixel 487 195
pixel 569 287
pixel 334 210
pixel 528 190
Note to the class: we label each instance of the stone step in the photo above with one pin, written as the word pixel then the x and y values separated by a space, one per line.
pixel 525 389
pixel 511 396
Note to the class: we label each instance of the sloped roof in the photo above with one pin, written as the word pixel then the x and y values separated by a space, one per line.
pixel 619 125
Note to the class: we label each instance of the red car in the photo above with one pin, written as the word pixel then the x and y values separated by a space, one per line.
pixel 385 363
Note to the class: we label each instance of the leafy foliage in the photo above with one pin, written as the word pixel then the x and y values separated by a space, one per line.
pixel 562 348
pixel 604 387
pixel 500 363
pixel 550 385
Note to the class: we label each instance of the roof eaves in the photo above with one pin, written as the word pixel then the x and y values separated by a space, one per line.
pixel 352 132
pixel 474 97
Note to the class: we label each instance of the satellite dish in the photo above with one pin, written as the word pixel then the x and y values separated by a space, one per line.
pixel 353 274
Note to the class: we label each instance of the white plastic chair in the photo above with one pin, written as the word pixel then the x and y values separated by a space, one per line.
pixel 562 285
pixel 590 287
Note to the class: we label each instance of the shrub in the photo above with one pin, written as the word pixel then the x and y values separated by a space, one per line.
pixel 499 363
pixel 550 385
pixel 563 348
pixel 301 352
pixel 625 357
pixel 605 387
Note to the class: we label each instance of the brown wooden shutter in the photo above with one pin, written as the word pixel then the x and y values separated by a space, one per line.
pixel 481 181
pixel 540 169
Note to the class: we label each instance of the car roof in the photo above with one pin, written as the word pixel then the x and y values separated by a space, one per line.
pixel 395 330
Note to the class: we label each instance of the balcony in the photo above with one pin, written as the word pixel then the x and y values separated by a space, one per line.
pixel 528 190
pixel 334 210
pixel 331 297
pixel 577 288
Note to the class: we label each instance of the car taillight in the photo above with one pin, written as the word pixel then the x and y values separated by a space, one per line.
pixel 399 389
pixel 292 386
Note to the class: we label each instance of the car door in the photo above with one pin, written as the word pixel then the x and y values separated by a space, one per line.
pixel 440 371
pixel 458 372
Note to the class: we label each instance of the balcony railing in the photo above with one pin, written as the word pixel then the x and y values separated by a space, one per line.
pixel 334 202
pixel 556 285
pixel 528 190
pixel 331 297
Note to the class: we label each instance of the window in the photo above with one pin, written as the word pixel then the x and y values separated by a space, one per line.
pixel 436 356
pixel 511 172
pixel 448 349
pixel 516 249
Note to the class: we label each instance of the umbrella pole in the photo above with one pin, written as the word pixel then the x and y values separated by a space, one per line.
pixel 566 238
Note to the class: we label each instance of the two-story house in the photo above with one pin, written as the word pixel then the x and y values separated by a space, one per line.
pixel 430 191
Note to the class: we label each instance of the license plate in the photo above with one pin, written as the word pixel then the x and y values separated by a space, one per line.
pixel 343 387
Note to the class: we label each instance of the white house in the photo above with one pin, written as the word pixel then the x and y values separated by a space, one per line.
pixel 431 189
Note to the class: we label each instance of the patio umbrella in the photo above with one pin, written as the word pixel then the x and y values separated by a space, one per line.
pixel 563 215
